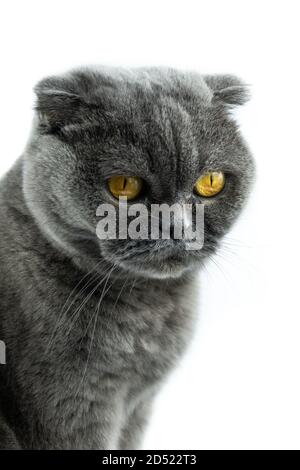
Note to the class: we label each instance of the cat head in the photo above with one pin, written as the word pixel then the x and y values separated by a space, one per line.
pixel 165 129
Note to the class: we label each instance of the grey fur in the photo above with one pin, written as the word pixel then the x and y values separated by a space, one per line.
pixel 84 364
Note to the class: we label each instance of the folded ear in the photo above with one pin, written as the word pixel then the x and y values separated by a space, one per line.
pixel 57 103
pixel 227 89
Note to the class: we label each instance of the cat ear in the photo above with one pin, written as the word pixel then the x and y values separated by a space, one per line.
pixel 227 89
pixel 57 103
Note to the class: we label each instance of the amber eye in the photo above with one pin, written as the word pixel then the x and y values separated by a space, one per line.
pixel 129 186
pixel 210 184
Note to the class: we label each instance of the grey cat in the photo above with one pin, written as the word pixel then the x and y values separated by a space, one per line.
pixel 92 327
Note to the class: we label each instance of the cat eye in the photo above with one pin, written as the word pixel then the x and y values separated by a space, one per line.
pixel 210 184
pixel 129 186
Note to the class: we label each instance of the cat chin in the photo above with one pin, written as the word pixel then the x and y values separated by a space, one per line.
pixel 161 272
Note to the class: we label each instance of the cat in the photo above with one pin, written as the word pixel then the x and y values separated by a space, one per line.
pixel 92 327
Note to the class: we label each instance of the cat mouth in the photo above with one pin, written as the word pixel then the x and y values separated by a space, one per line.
pixel 160 263
pixel 155 259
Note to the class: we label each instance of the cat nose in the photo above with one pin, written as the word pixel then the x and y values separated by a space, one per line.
pixel 179 222
pixel 187 219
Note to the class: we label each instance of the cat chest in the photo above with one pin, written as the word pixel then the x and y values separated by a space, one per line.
pixel 147 349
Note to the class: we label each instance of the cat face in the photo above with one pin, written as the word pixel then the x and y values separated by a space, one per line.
pixel 163 128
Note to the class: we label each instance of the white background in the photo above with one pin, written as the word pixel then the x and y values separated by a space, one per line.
pixel 239 385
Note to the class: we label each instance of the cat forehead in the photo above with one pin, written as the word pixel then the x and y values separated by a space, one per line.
pixel 164 111
pixel 150 79
pixel 99 85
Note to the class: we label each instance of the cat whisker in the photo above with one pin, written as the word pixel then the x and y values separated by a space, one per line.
pixel 95 316
pixel 65 310
pixel 75 315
